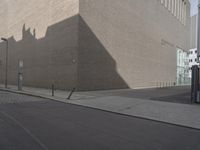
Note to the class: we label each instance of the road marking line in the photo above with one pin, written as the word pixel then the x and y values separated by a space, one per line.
pixel 25 129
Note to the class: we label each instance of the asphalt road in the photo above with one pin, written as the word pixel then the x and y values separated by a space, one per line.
pixel 28 123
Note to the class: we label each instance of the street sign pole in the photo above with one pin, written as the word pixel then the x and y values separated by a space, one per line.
pixel 20 74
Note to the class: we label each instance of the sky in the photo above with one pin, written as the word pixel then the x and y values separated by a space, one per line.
pixel 194 9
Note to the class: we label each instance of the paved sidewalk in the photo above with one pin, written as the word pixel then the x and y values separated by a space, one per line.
pixel 59 95
pixel 175 113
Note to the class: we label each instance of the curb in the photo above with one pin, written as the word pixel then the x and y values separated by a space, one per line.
pixel 32 94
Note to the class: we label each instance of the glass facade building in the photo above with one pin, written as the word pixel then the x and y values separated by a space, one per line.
pixel 183 76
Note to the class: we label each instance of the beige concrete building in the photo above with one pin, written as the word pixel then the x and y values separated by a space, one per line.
pixel 93 44
pixel 193 33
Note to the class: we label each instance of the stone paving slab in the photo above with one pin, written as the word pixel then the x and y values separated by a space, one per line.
pixel 11 98
pixel 180 114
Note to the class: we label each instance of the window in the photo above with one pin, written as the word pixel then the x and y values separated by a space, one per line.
pixel 178 8
pixel 182 11
pixel 169 5
pixel 196 52
pixel 182 66
pixel 172 6
pixel 166 3
pixel 175 7
pixel 185 14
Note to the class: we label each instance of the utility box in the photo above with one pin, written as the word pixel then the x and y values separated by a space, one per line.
pixel 195 91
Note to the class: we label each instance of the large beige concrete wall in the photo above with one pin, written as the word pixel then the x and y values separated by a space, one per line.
pixel 44 34
pixel 131 42
pixel 91 44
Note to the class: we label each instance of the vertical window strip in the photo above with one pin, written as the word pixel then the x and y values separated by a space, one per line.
pixel 166 3
pixel 185 15
pixel 183 21
pixel 175 7
pixel 180 9
pixel 172 7
pixel 169 5
pixel 183 11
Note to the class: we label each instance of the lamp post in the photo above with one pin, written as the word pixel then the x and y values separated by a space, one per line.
pixel 6 68
pixel 198 33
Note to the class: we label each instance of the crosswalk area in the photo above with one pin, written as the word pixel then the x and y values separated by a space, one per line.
pixel 13 98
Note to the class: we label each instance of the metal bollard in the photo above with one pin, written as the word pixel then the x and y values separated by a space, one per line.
pixel 52 89
pixel 19 83
pixel 70 94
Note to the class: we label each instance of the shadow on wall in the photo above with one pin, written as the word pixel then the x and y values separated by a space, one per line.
pixel 69 55
pixel 96 69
